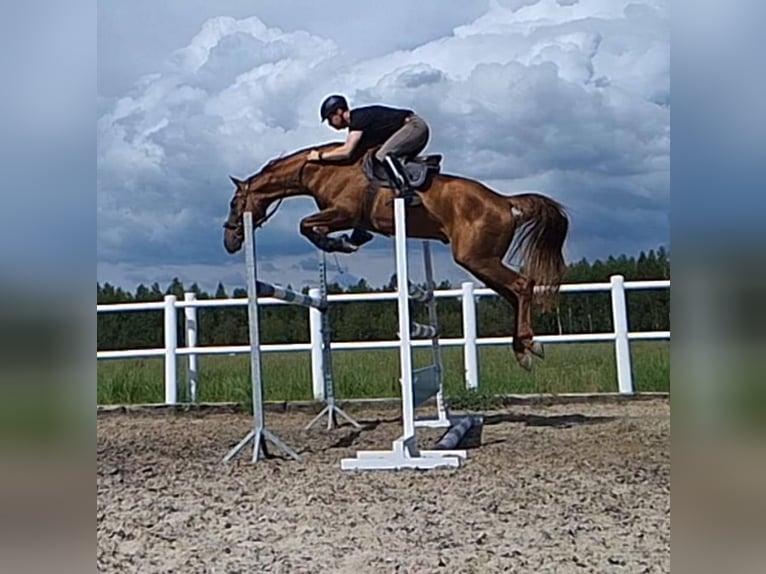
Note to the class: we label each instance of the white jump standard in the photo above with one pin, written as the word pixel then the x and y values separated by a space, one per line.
pixel 260 435
pixel 419 385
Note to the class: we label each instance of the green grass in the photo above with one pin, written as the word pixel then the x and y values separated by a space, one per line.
pixel 567 368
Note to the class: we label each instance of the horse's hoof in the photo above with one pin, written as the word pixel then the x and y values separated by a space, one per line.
pixel 346 246
pixel 359 237
pixel 525 361
pixel 537 349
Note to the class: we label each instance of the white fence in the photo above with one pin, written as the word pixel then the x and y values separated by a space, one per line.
pixel 469 341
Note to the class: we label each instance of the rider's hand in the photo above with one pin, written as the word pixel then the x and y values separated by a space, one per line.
pixel 313 155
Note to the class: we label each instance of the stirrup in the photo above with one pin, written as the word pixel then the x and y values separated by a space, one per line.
pixel 411 199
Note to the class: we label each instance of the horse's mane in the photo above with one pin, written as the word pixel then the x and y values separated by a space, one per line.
pixel 321 147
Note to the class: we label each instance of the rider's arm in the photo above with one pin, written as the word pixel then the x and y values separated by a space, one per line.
pixel 344 151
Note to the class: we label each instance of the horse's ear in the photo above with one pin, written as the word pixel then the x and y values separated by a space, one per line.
pixel 236 181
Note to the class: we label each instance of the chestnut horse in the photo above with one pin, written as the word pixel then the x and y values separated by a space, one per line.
pixel 482 226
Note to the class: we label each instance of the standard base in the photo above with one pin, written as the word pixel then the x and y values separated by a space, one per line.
pixel 259 439
pixel 330 411
pixel 404 455
pixel 433 423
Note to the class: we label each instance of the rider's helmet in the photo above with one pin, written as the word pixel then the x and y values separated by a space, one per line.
pixel 332 103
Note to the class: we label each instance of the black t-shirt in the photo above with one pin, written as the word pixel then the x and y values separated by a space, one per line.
pixel 378 123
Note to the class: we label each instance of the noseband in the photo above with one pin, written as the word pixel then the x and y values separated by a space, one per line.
pixel 298 183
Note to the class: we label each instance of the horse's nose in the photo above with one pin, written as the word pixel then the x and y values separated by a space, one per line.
pixel 231 241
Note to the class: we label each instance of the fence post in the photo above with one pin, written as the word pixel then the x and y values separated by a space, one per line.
pixel 317 358
pixel 171 344
pixel 621 342
pixel 192 373
pixel 469 337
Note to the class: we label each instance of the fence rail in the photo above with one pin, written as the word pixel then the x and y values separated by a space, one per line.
pixel 468 293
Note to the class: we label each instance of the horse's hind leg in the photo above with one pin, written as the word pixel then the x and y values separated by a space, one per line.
pixel 525 318
pixel 517 344
pixel 517 290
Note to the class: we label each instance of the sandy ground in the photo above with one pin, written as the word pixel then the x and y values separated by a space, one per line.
pixel 571 488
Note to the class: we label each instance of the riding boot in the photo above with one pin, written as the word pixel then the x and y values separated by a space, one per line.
pixel 398 178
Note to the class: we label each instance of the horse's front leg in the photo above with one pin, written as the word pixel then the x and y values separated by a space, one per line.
pixel 316 228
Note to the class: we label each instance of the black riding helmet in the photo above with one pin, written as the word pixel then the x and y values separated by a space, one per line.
pixel 332 103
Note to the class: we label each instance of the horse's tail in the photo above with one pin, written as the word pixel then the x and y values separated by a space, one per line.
pixel 540 238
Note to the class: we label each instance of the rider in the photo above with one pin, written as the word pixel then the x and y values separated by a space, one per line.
pixel 398 132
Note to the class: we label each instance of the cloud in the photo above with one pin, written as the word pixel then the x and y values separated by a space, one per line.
pixel 571 99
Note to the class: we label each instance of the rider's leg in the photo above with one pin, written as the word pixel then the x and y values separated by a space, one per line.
pixel 409 140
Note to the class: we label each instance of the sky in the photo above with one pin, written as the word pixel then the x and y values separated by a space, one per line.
pixel 562 97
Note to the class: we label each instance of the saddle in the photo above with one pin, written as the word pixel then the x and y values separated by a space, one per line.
pixel 419 170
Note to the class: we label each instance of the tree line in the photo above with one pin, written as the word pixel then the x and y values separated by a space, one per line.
pixel 377 320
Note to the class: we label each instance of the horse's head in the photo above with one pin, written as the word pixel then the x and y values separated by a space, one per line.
pixel 234 231
pixel 278 179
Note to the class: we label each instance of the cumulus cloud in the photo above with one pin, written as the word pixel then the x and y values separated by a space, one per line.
pixel 567 98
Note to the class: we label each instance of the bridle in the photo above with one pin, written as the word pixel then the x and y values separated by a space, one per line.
pixel 298 183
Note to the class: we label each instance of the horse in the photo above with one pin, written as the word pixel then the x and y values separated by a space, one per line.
pixel 482 226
